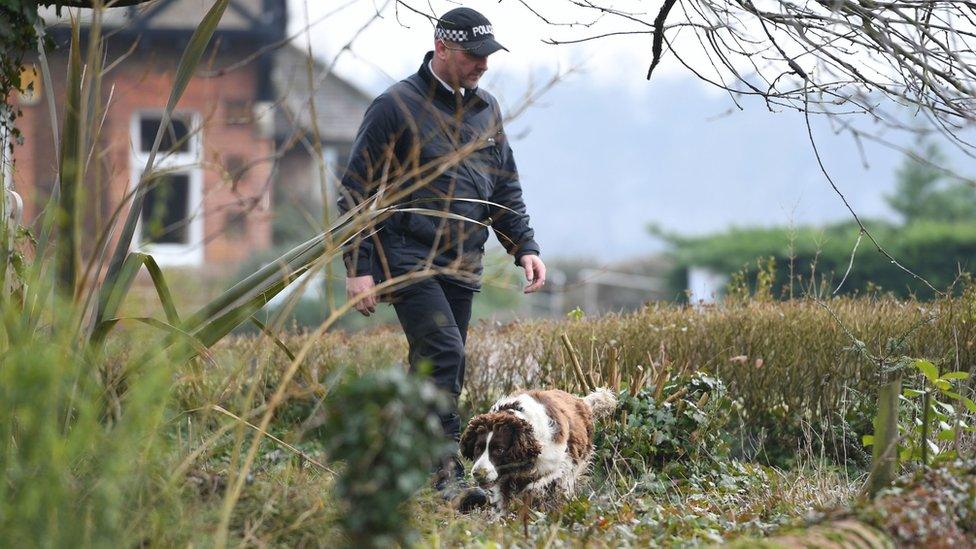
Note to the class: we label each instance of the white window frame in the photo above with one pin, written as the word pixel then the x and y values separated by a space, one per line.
pixel 188 163
pixel 6 162
pixel 330 163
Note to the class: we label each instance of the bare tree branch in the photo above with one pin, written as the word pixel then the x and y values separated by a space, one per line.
pixel 659 35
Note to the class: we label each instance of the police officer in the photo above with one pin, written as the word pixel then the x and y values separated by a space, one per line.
pixel 435 141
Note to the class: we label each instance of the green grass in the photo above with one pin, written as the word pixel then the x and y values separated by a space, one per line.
pixel 743 500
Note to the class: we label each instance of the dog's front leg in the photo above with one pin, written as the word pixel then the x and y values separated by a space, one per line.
pixel 496 503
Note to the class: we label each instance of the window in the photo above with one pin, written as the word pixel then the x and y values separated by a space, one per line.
pixel 166 212
pixel 176 138
pixel 171 221
pixel 30 85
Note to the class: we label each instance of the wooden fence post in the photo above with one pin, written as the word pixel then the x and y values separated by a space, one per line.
pixel 884 455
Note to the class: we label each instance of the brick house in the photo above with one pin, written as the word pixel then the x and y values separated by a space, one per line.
pixel 234 136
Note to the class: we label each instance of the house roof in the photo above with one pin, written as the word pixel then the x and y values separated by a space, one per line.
pixel 245 26
pixel 339 104
pixel 256 17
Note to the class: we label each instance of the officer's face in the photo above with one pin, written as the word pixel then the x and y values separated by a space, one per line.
pixel 464 68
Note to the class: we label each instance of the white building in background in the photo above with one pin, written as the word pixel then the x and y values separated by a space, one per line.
pixel 705 285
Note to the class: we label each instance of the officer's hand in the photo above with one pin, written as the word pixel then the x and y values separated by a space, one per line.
pixel 356 286
pixel 535 272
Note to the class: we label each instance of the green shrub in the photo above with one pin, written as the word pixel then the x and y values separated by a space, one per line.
pixel 813 256
pixel 384 427
pixel 684 420
pixel 933 413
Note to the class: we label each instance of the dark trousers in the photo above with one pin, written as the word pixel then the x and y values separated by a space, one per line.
pixel 434 314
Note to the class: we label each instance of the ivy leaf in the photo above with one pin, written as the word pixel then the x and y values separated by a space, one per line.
pixel 956 375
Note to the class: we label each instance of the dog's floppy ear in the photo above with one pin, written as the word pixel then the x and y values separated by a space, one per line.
pixel 477 425
pixel 524 446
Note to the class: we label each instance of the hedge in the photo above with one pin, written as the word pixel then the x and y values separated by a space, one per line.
pixel 819 257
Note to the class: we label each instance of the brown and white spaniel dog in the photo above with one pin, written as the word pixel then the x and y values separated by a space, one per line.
pixel 536 443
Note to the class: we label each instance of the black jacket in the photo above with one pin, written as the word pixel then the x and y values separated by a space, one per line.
pixel 451 151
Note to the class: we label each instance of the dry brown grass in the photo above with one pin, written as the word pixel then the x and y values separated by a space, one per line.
pixel 792 356
pixel 788 363
pixel 792 353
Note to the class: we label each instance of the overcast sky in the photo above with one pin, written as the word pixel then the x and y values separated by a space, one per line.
pixel 393 43
pixel 606 152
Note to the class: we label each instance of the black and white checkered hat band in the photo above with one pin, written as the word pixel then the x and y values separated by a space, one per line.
pixel 451 35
